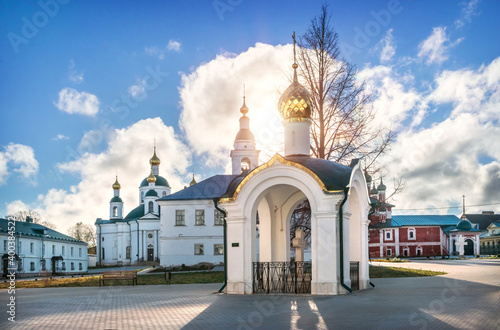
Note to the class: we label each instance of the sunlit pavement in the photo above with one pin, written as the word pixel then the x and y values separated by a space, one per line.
pixel 468 297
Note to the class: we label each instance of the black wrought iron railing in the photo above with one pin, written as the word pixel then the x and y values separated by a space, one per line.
pixel 282 277
pixel 490 249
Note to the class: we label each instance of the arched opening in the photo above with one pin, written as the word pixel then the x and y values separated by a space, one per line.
pixel 245 164
pixel 150 207
pixel 115 211
pixel 469 247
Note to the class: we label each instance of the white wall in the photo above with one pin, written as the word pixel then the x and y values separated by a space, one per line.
pixel 178 242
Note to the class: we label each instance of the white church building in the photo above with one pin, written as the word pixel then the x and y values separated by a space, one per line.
pixel 254 206
pixel 134 238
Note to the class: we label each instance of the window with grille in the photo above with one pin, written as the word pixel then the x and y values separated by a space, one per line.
pixel 180 217
pixel 218 218
pixel 200 217
pixel 32 266
pixel 198 249
pixel 218 249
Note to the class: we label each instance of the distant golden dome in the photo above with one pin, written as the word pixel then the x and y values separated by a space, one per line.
pixel 151 178
pixel 154 161
pixel 193 182
pixel 244 108
pixel 116 185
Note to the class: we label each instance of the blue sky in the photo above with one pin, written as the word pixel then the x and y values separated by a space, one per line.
pixel 87 86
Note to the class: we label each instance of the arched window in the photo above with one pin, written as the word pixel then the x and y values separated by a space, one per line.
pixel 115 211
pixel 245 164
pixel 142 196
pixel 150 207
pixel 164 194
pixel 411 234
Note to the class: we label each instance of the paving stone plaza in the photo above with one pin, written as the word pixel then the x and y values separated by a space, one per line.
pixel 468 297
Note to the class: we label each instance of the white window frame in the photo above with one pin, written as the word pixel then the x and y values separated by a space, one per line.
pixel 412 230
pixel 217 248
pixel 32 247
pixel 199 217
pixel 218 218
pixel 388 252
pixel 388 235
pixel 180 217
pixel 199 249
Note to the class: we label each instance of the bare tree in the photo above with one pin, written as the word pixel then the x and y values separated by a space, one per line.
pixel 343 116
pixel 83 232
pixel 33 216
pixel 343 126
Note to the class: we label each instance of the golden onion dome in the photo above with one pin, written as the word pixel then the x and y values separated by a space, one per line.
pixel 151 178
pixel 154 161
pixel 116 185
pixel 296 101
pixel 244 108
pixel 193 182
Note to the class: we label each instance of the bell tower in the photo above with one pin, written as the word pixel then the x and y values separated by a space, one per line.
pixel 244 156
pixel 116 203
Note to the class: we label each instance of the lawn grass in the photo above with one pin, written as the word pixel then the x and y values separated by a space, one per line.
pixel 155 279
pixel 388 272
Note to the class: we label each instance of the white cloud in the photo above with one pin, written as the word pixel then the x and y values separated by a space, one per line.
pixel 392 100
pixel 459 154
pixel 435 47
pixel 59 137
pixel 16 206
pixel 4 171
pixel 129 150
pixel 174 45
pixel 72 101
pixel 471 91
pixel 160 51
pixel 469 10
pixel 21 159
pixel 74 75
pixel 138 91
pixel 211 97
pixel 386 46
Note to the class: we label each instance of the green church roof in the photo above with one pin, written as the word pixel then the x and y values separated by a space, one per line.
pixel 136 213
pixel 116 199
pixel 160 181
pixel 151 193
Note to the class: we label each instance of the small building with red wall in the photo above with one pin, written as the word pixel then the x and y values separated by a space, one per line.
pixel 416 235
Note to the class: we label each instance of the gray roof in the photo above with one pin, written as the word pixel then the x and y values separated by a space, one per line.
pixel 212 187
pixel 35 230
pixel 334 176
pixel 482 220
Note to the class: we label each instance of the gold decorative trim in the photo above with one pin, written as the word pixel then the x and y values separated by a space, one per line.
pixel 280 159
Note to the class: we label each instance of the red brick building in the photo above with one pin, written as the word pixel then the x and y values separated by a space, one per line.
pixel 416 235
